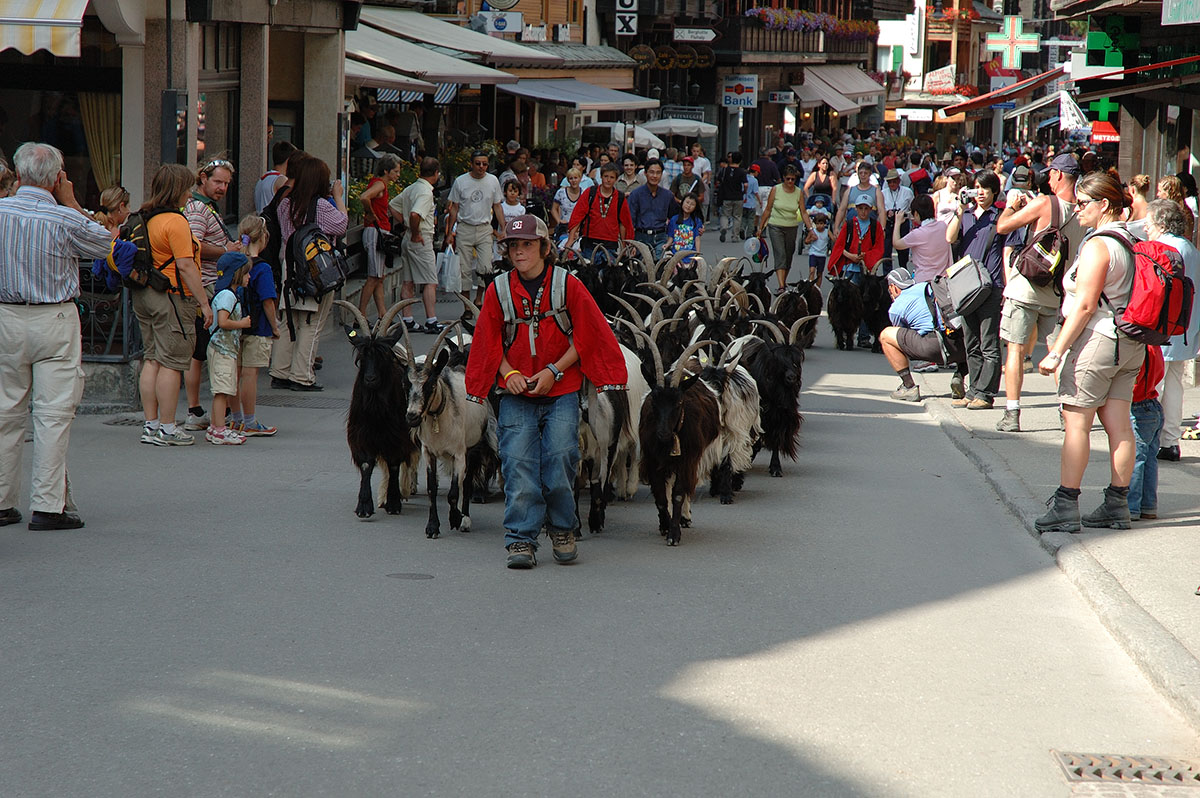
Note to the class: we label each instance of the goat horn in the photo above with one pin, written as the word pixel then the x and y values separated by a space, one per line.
pixel 677 371
pixel 654 353
pixel 758 300
pixel 358 314
pixel 721 270
pixel 468 305
pixel 730 304
pixel 633 314
pixel 665 274
pixel 773 327
pixel 656 313
pixel 703 289
pixel 385 320
pixel 643 251
pixel 662 289
pixel 664 323
pixel 795 330
pixel 437 345
pixel 678 314
pixel 775 302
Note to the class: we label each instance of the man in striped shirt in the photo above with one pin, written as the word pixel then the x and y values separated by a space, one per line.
pixel 44 233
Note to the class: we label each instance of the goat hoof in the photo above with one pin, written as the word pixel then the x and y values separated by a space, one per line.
pixel 465 525
pixel 672 541
pixel 364 512
pixel 685 523
pixel 726 500
pixel 775 472
pixel 433 532
pixel 392 509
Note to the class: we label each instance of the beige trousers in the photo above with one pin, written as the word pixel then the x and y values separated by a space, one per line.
pixel 293 360
pixel 40 361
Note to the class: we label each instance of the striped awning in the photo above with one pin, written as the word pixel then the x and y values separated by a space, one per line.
pixel 31 25
pixel 445 94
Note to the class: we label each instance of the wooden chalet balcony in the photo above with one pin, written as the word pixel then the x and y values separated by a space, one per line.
pixel 846 50
pixel 743 35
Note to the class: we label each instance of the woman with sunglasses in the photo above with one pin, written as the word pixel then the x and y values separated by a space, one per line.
pixel 1096 365
pixel 781 219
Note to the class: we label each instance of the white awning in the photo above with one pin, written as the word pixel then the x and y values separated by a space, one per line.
pixel 416 26
pixel 849 81
pixel 579 95
pixel 807 97
pixel 1041 102
pixel 813 87
pixel 31 25
pixel 394 54
pixel 360 74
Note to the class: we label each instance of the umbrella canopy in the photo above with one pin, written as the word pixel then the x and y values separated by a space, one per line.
pixel 641 136
pixel 681 127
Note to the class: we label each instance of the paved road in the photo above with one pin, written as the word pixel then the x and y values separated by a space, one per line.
pixel 872 624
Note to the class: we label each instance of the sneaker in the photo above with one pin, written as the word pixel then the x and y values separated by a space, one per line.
pixel 521 555
pixel 903 394
pixel 956 387
pixel 433 327
pixel 299 386
pixel 176 438
pixel 412 325
pixel 923 366
pixel 979 404
pixel 1169 453
pixel 148 434
pixel 565 550
pixel 1011 422
pixel 10 516
pixel 39 521
pixel 256 430
pixel 1150 514
pixel 224 437
pixel 280 384
pixel 197 422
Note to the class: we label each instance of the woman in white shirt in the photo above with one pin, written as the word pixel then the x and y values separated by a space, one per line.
pixel 564 201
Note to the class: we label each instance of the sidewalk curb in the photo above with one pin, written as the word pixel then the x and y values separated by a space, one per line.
pixel 1166 662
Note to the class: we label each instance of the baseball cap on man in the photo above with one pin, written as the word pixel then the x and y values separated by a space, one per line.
pixel 527 227
pixel 1065 164
pixel 900 277
pixel 1022 177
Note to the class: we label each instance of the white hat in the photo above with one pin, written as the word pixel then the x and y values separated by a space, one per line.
pixel 652 153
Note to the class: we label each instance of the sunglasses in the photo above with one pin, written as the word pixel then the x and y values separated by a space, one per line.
pixel 1080 204
pixel 212 166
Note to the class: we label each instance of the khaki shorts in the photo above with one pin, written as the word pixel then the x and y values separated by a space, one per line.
pixel 1017 321
pixel 1098 369
pixel 222 373
pixel 168 325
pixel 475 243
pixel 256 351
pixel 420 265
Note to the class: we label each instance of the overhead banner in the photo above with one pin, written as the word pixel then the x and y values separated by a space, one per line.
pixel 940 81
pixel 1070 115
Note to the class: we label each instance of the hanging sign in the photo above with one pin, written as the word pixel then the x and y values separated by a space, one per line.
pixel 626 17
pixel 740 91
pixel 1012 42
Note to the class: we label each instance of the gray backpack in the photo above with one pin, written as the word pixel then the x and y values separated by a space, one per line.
pixel 557 311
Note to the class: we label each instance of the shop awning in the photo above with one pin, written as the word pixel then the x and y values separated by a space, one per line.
pixel 1021 88
pixel 31 25
pixel 395 54
pixel 807 97
pixel 360 74
pixel 814 87
pixel 415 26
pixel 1041 102
pixel 1047 123
pixel 579 95
pixel 849 81
pixel 1119 91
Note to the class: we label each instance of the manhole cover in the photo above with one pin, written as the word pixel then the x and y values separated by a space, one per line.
pixel 309 402
pixel 410 576
pixel 1115 769
pixel 125 420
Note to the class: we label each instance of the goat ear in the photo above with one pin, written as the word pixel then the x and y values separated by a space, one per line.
pixel 442 358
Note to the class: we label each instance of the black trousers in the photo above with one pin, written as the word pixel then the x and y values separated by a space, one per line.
pixel 981 334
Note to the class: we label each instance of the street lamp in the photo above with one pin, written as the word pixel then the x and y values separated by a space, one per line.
pixel 694 92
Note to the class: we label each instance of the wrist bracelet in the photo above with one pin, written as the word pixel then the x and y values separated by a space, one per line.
pixel 1054 355
pixel 509 374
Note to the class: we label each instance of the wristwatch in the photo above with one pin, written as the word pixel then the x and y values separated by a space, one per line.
pixel 558 375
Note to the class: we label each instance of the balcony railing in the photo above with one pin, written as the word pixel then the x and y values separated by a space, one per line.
pixel 109 330
pixel 748 35
pixel 846 47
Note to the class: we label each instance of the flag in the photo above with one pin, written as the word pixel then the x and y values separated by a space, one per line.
pixel 1070 115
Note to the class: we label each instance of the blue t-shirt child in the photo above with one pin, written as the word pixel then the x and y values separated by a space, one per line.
pixel 226 342
pixel 682 233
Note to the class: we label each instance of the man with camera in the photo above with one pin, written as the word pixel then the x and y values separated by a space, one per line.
pixel 897 199
pixel 974 229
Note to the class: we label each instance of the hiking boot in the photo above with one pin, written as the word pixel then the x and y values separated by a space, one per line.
pixel 565 550
pixel 1169 453
pixel 148 434
pixel 903 394
pixel 956 387
pixel 10 516
pixel 176 438
pixel 256 429
pixel 1062 517
pixel 521 555
pixel 1113 512
pixel 41 522
pixel 1010 423
pixel 979 403
pixel 195 422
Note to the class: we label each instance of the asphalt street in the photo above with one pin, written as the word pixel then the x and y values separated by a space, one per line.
pixel 873 623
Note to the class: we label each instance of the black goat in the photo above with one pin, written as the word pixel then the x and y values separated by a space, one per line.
pixel 845 311
pixel 812 297
pixel 788 308
pixel 376 428
pixel 777 368
pixel 876 301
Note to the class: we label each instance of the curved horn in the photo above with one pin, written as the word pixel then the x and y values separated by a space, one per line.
pixel 664 323
pixel 775 329
pixel 633 314
pixel 758 300
pixel 678 314
pixel 643 251
pixel 358 315
pixel 656 313
pixel 654 353
pixel 775 302
pixel 385 321
pixel 721 271
pixel 468 305
pixel 669 266
pixel 647 299
pixel 662 289
pixel 437 345
pixel 731 304
pixel 677 371
pixel 795 330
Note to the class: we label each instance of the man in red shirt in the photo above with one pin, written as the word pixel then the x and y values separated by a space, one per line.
pixel 601 216
pixel 540 371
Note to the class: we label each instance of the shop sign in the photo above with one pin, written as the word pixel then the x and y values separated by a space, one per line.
pixel 1104 133
pixel 627 17
pixel 534 33
pixel 740 91
pixel 915 114
pixel 783 97
pixel 1180 12
pixel 503 21
pixel 940 81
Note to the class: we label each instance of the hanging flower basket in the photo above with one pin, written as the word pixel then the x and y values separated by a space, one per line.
pixel 949 13
pixel 813 21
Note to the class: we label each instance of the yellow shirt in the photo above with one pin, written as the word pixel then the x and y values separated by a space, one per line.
pixel 785 208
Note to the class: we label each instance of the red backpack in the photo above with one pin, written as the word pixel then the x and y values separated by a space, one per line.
pixel 1160 304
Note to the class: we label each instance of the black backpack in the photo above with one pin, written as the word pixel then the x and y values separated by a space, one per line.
pixel 315 265
pixel 144 273
pixel 270 215
pixel 594 192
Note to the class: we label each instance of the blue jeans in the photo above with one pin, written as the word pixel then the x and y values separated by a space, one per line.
pixel 539 454
pixel 1147 420
pixel 656 242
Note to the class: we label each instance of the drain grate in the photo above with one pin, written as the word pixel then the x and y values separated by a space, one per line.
pixel 125 420
pixel 292 399
pixel 1147 770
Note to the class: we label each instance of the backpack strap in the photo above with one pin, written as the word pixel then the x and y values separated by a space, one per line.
pixel 504 295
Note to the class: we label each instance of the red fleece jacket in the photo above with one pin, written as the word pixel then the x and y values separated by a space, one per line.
pixel 870 246
pixel 600 357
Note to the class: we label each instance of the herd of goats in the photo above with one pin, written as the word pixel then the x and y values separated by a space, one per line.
pixel 714 374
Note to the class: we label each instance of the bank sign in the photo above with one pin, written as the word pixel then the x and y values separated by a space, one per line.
pixel 740 91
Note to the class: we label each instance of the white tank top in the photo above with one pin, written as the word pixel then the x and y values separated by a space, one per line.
pixel 1117 283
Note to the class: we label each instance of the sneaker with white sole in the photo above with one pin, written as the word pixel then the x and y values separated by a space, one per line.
pixel 256 429
pixel 197 422
pixel 903 394
pixel 148 433
pixel 176 438
pixel 224 437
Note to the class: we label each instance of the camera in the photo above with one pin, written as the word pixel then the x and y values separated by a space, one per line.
pixel 968 195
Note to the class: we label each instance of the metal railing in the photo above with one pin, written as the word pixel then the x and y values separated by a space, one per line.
pixel 107 325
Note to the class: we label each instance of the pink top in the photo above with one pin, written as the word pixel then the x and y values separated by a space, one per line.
pixel 928 250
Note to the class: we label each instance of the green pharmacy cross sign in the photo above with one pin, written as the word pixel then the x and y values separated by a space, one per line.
pixel 1011 42
pixel 1103 107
